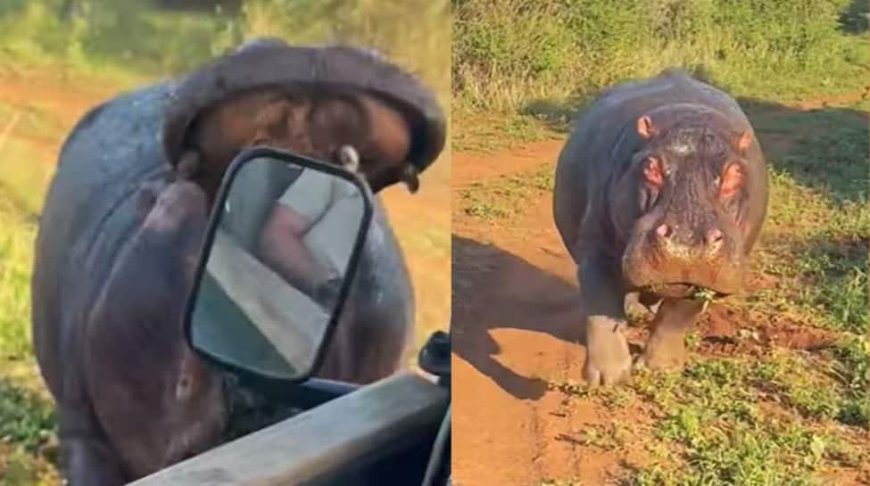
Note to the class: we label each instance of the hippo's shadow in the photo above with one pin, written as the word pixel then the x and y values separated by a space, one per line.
pixel 494 289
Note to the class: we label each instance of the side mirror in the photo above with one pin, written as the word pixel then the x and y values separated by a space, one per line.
pixel 277 263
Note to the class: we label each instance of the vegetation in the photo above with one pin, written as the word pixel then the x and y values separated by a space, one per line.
pixel 542 59
pixel 122 38
pixel 63 56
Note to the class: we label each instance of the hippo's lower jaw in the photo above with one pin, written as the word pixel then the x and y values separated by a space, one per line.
pixel 680 290
pixel 681 279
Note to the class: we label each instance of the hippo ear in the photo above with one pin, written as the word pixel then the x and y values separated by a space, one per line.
pixel 645 128
pixel 742 141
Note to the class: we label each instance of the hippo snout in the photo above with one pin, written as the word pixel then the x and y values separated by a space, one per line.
pixel 707 242
pixel 673 261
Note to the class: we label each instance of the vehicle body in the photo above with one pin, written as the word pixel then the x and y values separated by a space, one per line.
pixel 394 431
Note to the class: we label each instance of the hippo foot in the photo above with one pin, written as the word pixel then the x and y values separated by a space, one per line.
pixel 663 352
pixel 608 360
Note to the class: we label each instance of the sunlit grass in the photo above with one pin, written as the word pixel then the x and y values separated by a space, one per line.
pixel 788 416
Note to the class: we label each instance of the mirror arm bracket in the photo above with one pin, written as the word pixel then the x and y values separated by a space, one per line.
pixel 434 357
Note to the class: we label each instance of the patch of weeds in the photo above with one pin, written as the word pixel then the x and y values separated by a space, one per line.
pixel 851 366
pixel 502 197
pixel 797 382
pixel 656 387
pixel 26 419
pixel 481 132
pixel 543 179
pixel 557 114
pixel 814 400
pixel 559 482
pixel 718 412
pixel 475 206
pixel 608 437
pixel 612 397
pixel 16 256
pixel 574 389
pixel 617 397
pixel 693 339
pixel 835 280
pixel 19 468
pixel 832 160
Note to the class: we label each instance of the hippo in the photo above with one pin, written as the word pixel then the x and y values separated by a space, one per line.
pixel 125 215
pixel 660 193
pixel 136 320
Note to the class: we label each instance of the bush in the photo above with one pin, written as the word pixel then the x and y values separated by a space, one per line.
pixel 507 52
pixel 149 38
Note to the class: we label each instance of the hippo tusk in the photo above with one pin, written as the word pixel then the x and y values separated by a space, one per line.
pixel 409 177
pixel 349 158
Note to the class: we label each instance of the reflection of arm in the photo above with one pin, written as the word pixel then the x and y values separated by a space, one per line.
pixel 283 243
pixel 282 248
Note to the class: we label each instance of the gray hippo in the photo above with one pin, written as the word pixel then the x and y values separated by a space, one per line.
pixel 660 190
pixel 125 214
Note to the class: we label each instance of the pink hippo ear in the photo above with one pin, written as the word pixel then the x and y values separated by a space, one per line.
pixel 742 141
pixel 645 128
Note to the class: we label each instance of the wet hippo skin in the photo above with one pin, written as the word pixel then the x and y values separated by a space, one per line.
pixel 661 189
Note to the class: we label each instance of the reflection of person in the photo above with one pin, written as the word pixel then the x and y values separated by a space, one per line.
pixel 307 239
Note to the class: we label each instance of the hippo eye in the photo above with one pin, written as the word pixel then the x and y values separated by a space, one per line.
pixel 653 172
pixel 730 180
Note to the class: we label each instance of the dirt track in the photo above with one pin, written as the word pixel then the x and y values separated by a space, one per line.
pixel 515 329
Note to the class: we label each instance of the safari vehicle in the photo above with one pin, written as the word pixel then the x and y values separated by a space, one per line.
pixel 242 318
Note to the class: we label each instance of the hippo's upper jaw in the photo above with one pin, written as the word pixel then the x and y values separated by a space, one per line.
pixel 315 101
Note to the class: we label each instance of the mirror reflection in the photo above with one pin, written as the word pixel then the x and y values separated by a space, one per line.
pixel 277 263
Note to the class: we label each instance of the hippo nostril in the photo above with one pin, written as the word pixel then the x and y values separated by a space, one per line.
pixel 715 236
pixel 663 230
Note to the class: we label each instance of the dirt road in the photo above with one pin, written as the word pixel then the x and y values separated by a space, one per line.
pixel 515 329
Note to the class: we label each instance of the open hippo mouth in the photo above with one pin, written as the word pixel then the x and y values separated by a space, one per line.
pixel 315 101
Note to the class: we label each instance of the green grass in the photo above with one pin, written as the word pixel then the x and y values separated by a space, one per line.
pixel 16 259
pixel 26 412
pixel 503 197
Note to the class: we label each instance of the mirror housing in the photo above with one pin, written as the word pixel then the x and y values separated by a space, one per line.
pixel 277 263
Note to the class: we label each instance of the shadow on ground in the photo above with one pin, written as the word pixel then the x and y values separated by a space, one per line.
pixel 824 149
pixel 494 289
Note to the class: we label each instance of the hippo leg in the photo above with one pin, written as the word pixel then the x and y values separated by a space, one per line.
pixel 88 456
pixel 608 360
pixel 666 348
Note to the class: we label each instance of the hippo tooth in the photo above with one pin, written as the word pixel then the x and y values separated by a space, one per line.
pixel 349 158
pixel 409 177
